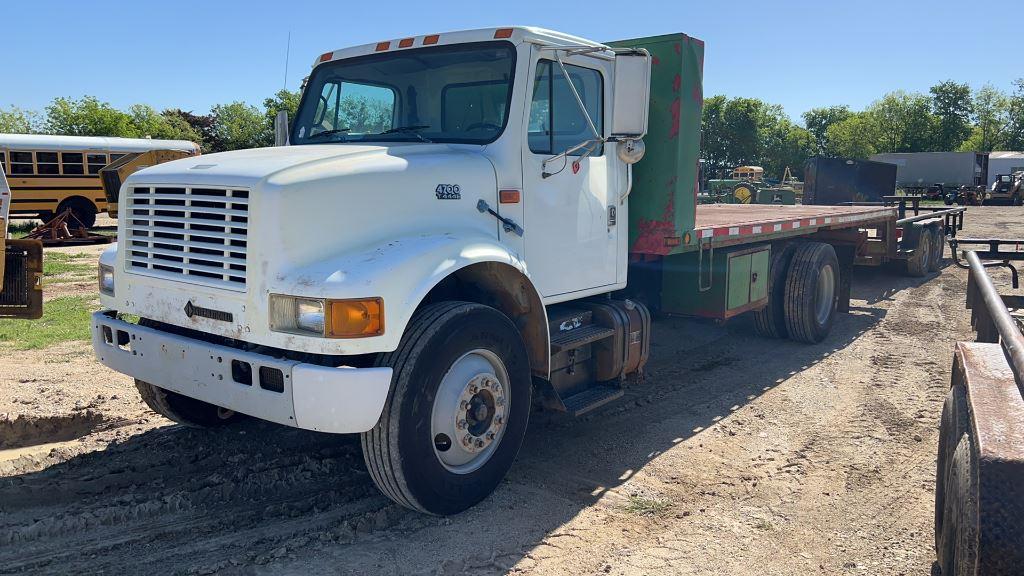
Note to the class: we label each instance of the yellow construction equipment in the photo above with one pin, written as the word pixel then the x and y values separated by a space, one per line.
pixel 21 268
pixel 115 173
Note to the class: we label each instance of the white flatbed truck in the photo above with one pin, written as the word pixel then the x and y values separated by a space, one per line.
pixel 457 228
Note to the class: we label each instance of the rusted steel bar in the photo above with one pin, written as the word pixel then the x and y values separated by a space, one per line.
pixel 1010 337
pixel 926 216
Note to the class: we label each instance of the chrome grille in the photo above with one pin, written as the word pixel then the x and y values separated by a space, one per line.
pixel 196 234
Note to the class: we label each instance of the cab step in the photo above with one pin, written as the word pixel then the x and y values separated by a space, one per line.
pixel 591 399
pixel 579 337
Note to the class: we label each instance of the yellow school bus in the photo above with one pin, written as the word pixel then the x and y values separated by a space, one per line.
pixel 50 174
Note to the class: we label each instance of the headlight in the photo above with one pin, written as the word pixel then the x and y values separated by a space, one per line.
pixel 105 278
pixel 355 318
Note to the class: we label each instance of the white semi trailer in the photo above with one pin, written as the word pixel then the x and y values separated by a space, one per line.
pixel 445 242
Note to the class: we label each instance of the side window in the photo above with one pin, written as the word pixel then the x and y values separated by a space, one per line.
pixel 355 108
pixel 116 157
pixel 72 162
pixel 3 162
pixel 46 163
pixel 556 121
pixel 95 162
pixel 21 163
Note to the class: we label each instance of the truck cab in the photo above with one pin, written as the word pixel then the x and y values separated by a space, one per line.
pixel 443 230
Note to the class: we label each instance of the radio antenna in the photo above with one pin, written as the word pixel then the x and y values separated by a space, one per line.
pixel 287 54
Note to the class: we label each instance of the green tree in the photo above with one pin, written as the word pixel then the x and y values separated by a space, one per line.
pixel 1014 133
pixel 201 124
pixel 991 119
pixel 17 121
pixel 148 123
pixel 855 137
pixel 817 121
pixel 239 125
pixel 714 146
pixel 952 105
pixel 87 117
pixel 904 121
pixel 284 100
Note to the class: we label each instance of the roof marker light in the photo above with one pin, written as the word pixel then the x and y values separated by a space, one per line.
pixel 503 33
pixel 405 42
pixel 326 56
pixel 382 46
pixel 431 39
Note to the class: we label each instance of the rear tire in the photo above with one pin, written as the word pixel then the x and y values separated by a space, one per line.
pixel 938 242
pixel 770 321
pixel 84 210
pixel 184 410
pixel 920 260
pixel 1016 200
pixel 959 537
pixel 812 292
pixel 953 425
pixel 450 356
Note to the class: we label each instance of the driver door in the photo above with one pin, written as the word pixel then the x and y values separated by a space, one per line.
pixel 570 240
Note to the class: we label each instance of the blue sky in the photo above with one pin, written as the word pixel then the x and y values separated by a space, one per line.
pixel 800 54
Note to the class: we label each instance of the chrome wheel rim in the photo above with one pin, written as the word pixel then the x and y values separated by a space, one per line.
pixel 470 411
pixel 825 293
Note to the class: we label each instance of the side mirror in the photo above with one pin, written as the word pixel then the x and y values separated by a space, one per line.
pixel 631 97
pixel 281 128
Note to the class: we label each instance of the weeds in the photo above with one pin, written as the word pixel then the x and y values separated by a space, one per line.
pixel 644 506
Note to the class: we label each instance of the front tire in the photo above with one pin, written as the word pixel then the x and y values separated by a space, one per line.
pixel 457 411
pixel 184 410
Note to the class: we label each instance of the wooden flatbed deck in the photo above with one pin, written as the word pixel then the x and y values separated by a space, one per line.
pixel 729 224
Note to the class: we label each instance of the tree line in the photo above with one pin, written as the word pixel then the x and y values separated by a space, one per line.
pixel 735 131
pixel 950 117
pixel 226 127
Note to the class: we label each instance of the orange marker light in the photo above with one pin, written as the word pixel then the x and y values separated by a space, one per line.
pixel 405 42
pixel 355 318
pixel 503 33
pixel 326 56
pixel 432 39
pixel 382 46
pixel 508 196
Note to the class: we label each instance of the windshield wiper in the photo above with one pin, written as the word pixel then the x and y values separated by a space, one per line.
pixel 328 133
pixel 414 130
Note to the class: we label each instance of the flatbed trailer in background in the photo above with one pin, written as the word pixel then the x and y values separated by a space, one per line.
pixel 979 496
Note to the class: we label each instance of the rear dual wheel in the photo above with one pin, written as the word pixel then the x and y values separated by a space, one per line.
pixel 919 262
pixel 457 410
pixel 811 292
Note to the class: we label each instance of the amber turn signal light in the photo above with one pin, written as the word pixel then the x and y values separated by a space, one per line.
pixel 358 318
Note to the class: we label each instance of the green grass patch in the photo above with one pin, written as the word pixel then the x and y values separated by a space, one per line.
pixel 20 228
pixel 645 506
pixel 64 320
pixel 56 263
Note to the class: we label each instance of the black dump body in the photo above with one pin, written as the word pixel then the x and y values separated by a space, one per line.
pixel 834 181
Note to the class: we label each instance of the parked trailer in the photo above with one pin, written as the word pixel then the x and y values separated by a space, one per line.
pixel 423 277
pixel 979 503
pixel 937 173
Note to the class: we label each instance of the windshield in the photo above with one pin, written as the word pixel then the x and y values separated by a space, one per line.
pixel 456 94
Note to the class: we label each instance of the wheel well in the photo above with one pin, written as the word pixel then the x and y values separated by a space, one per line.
pixel 505 288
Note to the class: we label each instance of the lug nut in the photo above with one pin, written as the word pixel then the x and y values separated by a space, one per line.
pixel 467 440
pixel 461 425
pixel 463 405
pixel 490 435
pixel 479 443
pixel 499 401
pixel 498 420
pixel 473 388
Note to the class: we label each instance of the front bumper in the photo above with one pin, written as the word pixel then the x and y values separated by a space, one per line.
pixel 307 396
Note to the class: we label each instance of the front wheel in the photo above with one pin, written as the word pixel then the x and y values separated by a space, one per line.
pixel 457 410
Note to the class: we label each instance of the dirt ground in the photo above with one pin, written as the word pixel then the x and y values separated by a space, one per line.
pixel 736 455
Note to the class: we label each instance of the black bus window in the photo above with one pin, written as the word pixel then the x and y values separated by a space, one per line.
pixel 72 162
pixel 46 163
pixel 22 163
pixel 95 162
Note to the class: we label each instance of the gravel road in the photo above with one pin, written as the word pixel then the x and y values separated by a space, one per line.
pixel 736 455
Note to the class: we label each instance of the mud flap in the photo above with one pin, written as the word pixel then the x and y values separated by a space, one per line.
pixel 21 290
